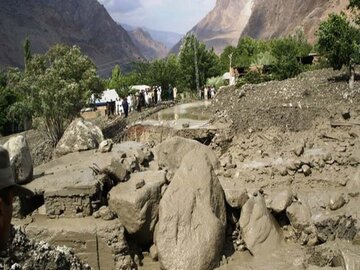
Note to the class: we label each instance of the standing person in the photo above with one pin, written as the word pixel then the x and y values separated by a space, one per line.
pixel 159 94
pixel 129 100
pixel 170 90
pixel 155 95
pixel 8 190
pixel 138 102
pixel 125 106
pixel 206 90
pixel 133 102
pixel 174 93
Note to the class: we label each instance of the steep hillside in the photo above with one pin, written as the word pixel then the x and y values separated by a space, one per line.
pixel 46 22
pixel 275 18
pixel 231 19
pixel 169 39
pixel 149 48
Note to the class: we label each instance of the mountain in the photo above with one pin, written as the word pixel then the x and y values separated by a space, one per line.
pixel 231 19
pixel 149 48
pixel 46 22
pixel 169 39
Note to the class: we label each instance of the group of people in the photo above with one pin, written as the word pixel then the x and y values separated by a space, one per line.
pixel 143 98
pixel 208 92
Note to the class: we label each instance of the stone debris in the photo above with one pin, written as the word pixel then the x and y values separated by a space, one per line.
pixel 279 201
pixel 25 254
pixel 106 146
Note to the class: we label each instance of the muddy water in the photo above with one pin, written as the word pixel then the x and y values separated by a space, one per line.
pixel 189 111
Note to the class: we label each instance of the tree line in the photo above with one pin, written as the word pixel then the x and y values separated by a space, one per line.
pixel 53 87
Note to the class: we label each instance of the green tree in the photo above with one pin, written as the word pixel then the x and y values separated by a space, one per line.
pixel 27 52
pixel 61 82
pixel 339 42
pixel 285 51
pixel 196 63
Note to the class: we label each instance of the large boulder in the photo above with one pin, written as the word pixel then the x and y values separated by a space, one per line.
pixel 20 159
pixel 80 135
pixel 169 153
pixel 260 230
pixel 136 203
pixel 192 217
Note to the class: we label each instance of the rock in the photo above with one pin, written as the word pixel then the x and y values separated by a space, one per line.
pixel 170 152
pixel 153 253
pixel 336 201
pixel 260 230
pixel 235 194
pixel 299 215
pixel 106 213
pixel 306 170
pixel 353 185
pixel 346 114
pixel 80 135
pixel 140 184
pixel 192 217
pixel 279 201
pixel 20 159
pixel 299 150
pixel 138 208
pixel 105 146
pixel 186 125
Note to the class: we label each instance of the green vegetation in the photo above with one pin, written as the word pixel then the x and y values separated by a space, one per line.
pixel 53 89
pixel 339 41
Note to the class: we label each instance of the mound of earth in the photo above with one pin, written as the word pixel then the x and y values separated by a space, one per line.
pixel 291 105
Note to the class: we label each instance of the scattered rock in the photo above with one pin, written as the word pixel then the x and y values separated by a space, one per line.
pixel 299 215
pixel 279 201
pixel 336 201
pixel 346 114
pixel 80 135
pixel 105 146
pixel 106 213
pixel 140 184
pixel 192 219
pixel 186 125
pixel 20 159
pixel 235 194
pixel 260 230
pixel 306 170
pixel 153 253
pixel 299 150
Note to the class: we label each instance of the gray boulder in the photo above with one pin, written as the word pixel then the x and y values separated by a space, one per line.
pixel 169 153
pixel 259 228
pixel 192 217
pixel 80 135
pixel 137 205
pixel 20 159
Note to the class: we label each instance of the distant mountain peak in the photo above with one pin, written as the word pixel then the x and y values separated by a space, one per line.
pixel 263 19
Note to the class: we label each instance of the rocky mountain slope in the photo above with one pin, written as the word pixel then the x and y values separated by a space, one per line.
pixel 150 48
pixel 84 22
pixel 231 19
pixel 169 39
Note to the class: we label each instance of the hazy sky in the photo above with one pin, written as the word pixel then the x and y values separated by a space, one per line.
pixel 168 15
